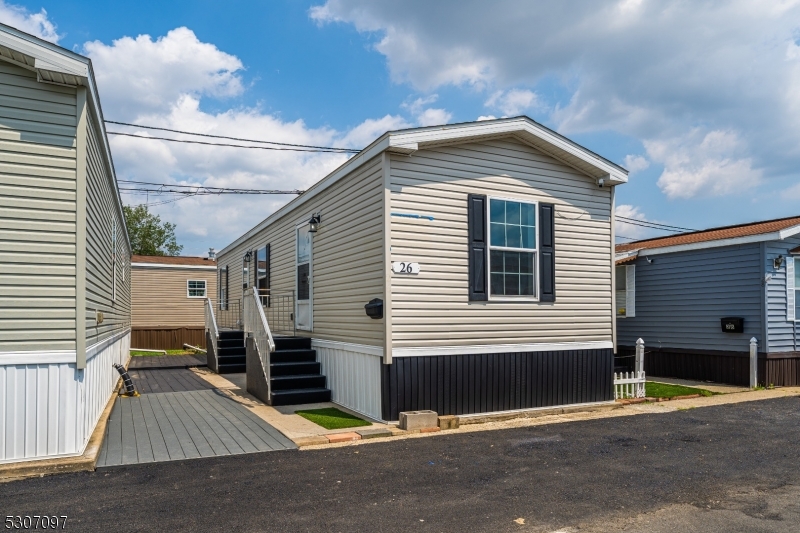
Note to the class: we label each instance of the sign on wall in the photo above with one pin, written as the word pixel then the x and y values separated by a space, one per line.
pixel 402 267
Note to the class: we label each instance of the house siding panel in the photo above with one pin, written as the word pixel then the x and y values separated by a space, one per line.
pixel 432 308
pixel 347 257
pixel 101 212
pixel 784 336
pixel 37 213
pixel 160 299
pixel 680 298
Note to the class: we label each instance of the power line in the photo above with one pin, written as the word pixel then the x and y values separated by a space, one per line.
pixel 671 228
pixel 195 189
pixel 319 151
pixel 315 148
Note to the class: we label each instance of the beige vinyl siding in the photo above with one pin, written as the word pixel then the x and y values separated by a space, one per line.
pixel 159 297
pixel 37 213
pixel 101 212
pixel 347 256
pixel 432 308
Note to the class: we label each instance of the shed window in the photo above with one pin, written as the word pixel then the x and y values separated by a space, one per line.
pixel 196 288
pixel 512 248
pixel 625 283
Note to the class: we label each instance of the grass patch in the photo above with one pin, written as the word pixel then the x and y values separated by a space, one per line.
pixel 156 354
pixel 332 418
pixel 665 390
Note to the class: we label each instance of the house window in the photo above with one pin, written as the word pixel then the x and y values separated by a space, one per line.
pixel 223 288
pixel 796 290
pixel 625 283
pixel 512 248
pixel 196 288
pixel 262 274
pixel 245 272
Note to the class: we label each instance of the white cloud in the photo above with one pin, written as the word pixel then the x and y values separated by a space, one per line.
pixel 703 164
pixel 34 23
pixel 513 102
pixel 655 71
pixel 486 117
pixel 164 82
pixel 636 163
pixel 140 75
pixel 427 116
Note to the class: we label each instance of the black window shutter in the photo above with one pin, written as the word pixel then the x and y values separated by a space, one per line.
pixel 547 253
pixel 476 213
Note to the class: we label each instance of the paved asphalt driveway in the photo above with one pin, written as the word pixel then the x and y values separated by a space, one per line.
pixel 726 468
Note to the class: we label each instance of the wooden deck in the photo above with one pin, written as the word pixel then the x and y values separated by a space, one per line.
pixel 167 361
pixel 148 381
pixel 171 426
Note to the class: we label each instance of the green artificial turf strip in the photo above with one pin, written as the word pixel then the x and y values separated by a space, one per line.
pixel 332 418
pixel 665 390
pixel 169 352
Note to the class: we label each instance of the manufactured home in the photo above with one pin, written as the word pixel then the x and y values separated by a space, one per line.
pixel 65 262
pixel 465 269
pixel 697 299
pixel 167 299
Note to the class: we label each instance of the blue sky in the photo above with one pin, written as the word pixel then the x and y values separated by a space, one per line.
pixel 699 100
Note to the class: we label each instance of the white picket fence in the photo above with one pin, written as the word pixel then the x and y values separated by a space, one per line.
pixel 629 385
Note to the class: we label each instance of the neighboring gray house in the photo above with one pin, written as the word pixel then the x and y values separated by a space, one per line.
pixel 673 292
pixel 489 246
pixel 65 261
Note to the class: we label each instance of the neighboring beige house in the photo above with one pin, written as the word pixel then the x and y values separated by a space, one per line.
pixel 168 297
pixel 65 261
pixel 490 246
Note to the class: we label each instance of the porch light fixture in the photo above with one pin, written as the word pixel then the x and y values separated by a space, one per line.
pixel 313 223
pixel 247 255
pixel 777 262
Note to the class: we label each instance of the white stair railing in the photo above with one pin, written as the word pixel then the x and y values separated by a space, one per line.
pixel 211 325
pixel 255 325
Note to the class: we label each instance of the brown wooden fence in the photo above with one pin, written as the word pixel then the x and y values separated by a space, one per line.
pixel 168 338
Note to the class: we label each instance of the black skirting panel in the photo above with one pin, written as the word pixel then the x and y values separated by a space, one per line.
pixel 485 383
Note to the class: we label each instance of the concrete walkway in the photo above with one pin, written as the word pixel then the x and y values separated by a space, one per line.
pixel 719 388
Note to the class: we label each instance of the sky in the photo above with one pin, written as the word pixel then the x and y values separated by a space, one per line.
pixel 699 100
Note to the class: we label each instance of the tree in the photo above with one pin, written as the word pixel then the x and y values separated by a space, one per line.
pixel 150 236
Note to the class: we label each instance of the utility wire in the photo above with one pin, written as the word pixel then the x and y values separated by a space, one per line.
pixel 195 189
pixel 655 224
pixel 320 148
pixel 313 150
pixel 651 227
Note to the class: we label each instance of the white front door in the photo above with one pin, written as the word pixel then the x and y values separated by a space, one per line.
pixel 304 280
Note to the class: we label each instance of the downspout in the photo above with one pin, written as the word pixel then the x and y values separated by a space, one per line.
pixel 80 229
pixel 387 259
pixel 613 273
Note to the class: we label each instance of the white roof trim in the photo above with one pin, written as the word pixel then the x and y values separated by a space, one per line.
pixel 772 236
pixel 409 141
pixel 173 266
pixel 53 58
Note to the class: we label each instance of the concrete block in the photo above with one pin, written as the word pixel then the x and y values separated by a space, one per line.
pixel 343 437
pixel 448 422
pixel 429 430
pixel 313 440
pixel 374 433
pixel 418 419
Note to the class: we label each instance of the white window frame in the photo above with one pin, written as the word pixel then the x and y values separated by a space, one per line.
pixel 630 292
pixel 489 248
pixel 188 289
pixel 222 288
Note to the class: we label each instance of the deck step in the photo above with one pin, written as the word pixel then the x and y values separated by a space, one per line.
pixel 225 368
pixel 292 343
pixel 232 334
pixel 293 356
pixel 294 369
pixel 300 396
pixel 302 381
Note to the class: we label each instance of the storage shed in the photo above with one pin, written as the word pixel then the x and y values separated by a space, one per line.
pixel 697 299
pixel 65 261
pixel 168 294
pixel 465 269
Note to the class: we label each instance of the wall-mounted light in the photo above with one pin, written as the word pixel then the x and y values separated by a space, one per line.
pixel 247 256
pixel 313 223
pixel 777 262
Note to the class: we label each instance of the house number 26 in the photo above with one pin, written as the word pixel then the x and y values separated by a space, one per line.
pixel 401 267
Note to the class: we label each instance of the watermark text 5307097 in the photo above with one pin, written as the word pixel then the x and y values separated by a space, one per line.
pixel 35 522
